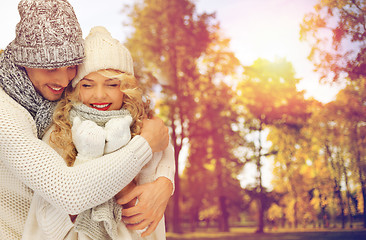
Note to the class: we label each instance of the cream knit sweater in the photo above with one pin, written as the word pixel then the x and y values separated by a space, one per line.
pixel 46 222
pixel 29 163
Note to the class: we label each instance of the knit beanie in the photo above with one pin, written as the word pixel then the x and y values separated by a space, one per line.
pixel 48 35
pixel 103 52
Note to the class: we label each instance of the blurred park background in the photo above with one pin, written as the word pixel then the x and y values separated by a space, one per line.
pixel 255 151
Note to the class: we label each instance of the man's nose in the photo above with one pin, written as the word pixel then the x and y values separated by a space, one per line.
pixel 64 77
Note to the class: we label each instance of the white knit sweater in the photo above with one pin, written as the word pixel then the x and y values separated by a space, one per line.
pixel 46 222
pixel 29 163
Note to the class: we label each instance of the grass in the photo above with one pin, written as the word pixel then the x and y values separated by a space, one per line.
pixel 288 234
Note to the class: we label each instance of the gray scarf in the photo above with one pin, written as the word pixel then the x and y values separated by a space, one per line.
pixel 15 82
pixel 97 116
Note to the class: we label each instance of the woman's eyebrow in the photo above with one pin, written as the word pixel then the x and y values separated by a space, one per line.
pixel 87 79
pixel 112 79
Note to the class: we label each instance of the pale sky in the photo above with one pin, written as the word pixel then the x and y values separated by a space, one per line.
pixel 257 28
pixel 265 28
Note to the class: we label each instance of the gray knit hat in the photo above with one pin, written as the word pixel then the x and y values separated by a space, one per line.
pixel 48 35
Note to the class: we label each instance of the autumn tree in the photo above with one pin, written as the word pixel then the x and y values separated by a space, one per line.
pixel 348 114
pixel 292 175
pixel 216 101
pixel 169 37
pixel 336 31
pixel 335 143
pixel 330 134
pixel 269 97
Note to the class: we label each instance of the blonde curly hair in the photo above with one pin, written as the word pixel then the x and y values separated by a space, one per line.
pixel 61 137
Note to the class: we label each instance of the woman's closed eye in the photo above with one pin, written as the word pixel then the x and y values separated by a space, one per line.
pixel 113 83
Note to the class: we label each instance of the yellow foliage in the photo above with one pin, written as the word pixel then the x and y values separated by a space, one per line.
pixel 209 213
pixel 274 212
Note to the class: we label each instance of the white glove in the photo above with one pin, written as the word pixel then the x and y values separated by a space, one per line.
pixel 88 138
pixel 118 133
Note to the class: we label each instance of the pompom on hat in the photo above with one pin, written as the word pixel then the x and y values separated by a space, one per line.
pixel 48 35
pixel 102 51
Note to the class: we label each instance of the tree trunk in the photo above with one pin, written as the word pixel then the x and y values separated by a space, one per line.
pixel 224 221
pixel 224 215
pixel 361 174
pixel 176 196
pixel 363 189
pixel 350 220
pixel 260 185
pixel 337 192
pixel 296 223
pixel 260 215
pixel 337 187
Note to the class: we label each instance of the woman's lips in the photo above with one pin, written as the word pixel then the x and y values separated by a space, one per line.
pixel 101 106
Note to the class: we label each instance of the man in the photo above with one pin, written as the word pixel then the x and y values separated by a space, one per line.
pixel 34 70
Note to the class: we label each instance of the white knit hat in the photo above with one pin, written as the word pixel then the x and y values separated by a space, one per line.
pixel 103 52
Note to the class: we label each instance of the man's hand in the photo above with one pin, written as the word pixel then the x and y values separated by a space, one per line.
pixel 152 202
pixel 156 133
pixel 125 191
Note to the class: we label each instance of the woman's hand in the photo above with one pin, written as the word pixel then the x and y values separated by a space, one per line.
pixel 153 199
pixel 156 134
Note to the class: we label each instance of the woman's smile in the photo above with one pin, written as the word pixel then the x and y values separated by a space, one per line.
pixel 101 106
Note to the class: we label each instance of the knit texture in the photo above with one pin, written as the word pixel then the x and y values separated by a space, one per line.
pixel 97 116
pixel 103 221
pixel 45 221
pixel 48 35
pixel 15 82
pixel 103 52
pixel 28 163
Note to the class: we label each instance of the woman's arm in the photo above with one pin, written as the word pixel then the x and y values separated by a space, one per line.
pixel 153 200
pixel 166 167
pixel 153 197
pixel 72 189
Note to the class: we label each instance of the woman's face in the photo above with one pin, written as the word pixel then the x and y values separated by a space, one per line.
pixel 100 92
pixel 51 83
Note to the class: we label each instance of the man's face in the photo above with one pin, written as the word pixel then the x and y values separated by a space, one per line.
pixel 51 83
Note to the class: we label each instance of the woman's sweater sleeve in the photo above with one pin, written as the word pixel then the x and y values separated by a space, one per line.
pixel 166 166
pixel 71 189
